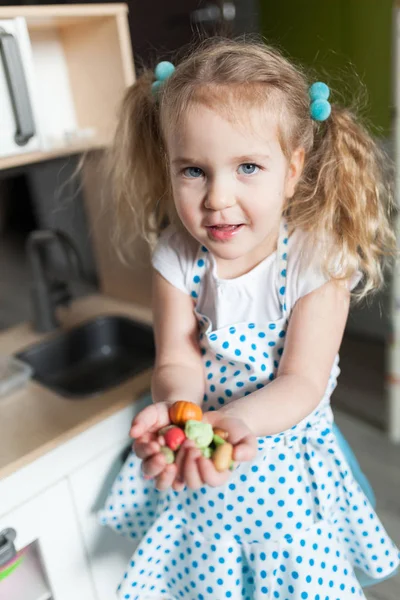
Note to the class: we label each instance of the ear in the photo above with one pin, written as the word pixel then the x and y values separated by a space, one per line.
pixel 295 169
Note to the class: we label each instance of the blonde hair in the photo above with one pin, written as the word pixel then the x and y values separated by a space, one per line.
pixel 343 198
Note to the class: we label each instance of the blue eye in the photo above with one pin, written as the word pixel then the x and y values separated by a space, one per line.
pixel 249 168
pixel 193 172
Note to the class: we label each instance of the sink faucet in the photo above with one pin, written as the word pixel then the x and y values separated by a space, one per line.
pixel 48 292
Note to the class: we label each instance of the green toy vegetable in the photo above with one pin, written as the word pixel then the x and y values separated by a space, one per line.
pixel 201 433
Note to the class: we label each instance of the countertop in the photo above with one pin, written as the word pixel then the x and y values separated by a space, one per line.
pixel 35 420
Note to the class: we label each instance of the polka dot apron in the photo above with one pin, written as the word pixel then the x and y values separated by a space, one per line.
pixel 293 524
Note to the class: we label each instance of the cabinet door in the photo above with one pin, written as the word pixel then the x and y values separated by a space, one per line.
pixel 108 552
pixel 50 520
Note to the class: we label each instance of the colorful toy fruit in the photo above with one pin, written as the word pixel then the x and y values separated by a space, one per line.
pixel 207 452
pixel 174 437
pixel 182 411
pixel 163 430
pixel 218 441
pixel 222 457
pixel 188 424
pixel 201 433
pixel 221 433
pixel 168 453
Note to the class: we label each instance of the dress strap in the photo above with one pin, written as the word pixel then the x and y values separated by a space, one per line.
pixel 281 265
pixel 199 270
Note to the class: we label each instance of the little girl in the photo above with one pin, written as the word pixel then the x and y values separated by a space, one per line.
pixel 270 208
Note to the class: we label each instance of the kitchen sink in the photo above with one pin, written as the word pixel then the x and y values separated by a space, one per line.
pixel 92 357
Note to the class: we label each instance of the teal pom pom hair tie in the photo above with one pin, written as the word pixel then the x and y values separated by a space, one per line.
pixel 320 108
pixel 162 71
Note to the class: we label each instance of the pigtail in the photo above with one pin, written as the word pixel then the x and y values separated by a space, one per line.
pixel 346 195
pixel 138 166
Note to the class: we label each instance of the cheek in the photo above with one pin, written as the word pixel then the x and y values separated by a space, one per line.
pixel 186 210
pixel 268 198
pixel 186 201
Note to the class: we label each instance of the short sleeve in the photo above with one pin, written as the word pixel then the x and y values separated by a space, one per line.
pixel 173 257
pixel 305 268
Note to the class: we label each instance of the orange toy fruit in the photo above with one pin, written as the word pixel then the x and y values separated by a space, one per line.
pixel 182 411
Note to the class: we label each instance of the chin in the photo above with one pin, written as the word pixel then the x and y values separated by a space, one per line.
pixel 226 251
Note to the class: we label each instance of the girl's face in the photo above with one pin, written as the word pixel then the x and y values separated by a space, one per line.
pixel 230 182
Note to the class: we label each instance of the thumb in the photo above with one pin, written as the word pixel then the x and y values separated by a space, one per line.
pixel 143 421
pixel 149 420
pixel 246 449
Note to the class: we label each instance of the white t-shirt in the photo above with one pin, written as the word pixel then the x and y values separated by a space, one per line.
pixel 253 296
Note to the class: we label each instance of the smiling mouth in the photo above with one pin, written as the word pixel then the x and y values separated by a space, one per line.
pixel 224 227
pixel 223 232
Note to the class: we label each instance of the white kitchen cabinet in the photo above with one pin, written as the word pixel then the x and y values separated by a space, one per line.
pixel 50 519
pixel 53 501
pixel 107 552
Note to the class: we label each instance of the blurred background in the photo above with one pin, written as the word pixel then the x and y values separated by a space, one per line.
pixel 350 44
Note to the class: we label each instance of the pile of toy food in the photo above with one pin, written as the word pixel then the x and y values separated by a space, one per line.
pixel 186 419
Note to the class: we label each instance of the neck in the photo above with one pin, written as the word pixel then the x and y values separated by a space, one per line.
pixel 231 269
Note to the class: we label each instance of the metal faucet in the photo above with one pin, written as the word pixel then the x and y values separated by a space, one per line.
pixel 48 292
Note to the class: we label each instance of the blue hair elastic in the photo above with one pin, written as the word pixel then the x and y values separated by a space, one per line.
pixel 163 70
pixel 320 108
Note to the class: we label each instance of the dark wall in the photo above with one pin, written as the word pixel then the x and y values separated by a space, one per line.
pixel 333 34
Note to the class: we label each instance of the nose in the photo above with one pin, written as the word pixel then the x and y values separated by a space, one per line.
pixel 219 195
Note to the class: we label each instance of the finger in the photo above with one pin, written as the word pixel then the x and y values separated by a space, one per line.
pixel 146 438
pixel 179 482
pixel 191 475
pixel 166 478
pixel 153 466
pixel 146 449
pixel 236 428
pixel 151 419
pixel 246 449
pixel 179 461
pixel 210 475
pixel 144 421
pixel 178 486
pixel 161 440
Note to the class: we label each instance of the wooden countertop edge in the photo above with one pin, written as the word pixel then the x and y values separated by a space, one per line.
pixel 131 390
pixel 80 427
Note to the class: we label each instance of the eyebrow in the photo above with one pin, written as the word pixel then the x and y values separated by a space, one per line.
pixel 180 160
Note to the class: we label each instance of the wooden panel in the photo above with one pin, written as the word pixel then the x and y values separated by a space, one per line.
pixel 130 283
pixel 55 14
pixel 98 72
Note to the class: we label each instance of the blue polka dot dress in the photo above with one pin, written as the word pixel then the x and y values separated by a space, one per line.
pixel 291 525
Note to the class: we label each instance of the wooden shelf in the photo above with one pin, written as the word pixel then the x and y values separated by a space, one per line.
pixel 56 14
pixel 83 90
pixel 20 160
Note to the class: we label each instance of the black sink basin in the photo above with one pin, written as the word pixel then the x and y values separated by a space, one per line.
pixel 92 357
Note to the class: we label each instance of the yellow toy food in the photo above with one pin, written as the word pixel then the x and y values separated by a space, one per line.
pixel 222 456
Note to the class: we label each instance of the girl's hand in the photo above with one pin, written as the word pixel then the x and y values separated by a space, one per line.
pixel 144 430
pixel 195 470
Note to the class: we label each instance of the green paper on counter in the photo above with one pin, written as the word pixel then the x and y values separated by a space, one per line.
pixel 201 433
